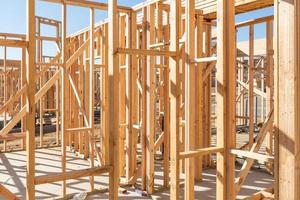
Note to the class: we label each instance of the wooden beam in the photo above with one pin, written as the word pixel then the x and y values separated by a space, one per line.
pixel 92 94
pixel 7 194
pixel 13 43
pixel 200 152
pixel 113 98
pixel 30 104
pixel 252 155
pixel 287 103
pixel 145 52
pixel 226 87
pixel 144 98
pixel 190 116
pixel 254 148
pixel 199 134
pixel 90 4
pixel 175 28
pixel 64 91
pixel 74 174
pixel 251 84
pixel 150 95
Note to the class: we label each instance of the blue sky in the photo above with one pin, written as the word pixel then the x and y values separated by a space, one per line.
pixel 13 19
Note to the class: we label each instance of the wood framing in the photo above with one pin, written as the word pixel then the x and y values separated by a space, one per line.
pixel 225 99
pixel 154 96
pixel 287 114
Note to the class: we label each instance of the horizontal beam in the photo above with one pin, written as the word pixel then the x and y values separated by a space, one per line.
pixel 252 155
pixel 13 35
pixel 200 152
pixel 145 52
pixel 13 43
pixel 204 60
pixel 13 136
pixel 254 21
pixel 80 129
pixel 74 174
pixel 90 4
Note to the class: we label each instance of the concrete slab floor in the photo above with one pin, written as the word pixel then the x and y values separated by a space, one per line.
pixel 13 173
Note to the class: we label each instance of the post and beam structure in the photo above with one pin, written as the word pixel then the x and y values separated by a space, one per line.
pixel 154 89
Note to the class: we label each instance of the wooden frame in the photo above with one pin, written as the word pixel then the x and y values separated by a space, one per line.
pixel 154 89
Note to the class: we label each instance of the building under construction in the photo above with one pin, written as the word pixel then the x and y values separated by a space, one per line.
pixel 161 100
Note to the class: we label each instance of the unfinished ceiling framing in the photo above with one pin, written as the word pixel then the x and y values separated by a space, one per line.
pixel 161 82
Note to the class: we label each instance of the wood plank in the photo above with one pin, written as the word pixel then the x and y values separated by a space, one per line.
pixel 92 94
pixel 113 98
pixel 145 52
pixel 64 100
pixel 30 104
pixel 13 43
pixel 200 152
pixel 287 123
pixel 175 28
pixel 90 4
pixel 150 95
pixel 7 194
pixel 190 117
pixel 74 174
pixel 252 155
pixel 226 87
pixel 199 97
pixel 251 84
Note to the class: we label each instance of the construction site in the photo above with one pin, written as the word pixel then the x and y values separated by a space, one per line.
pixel 160 99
